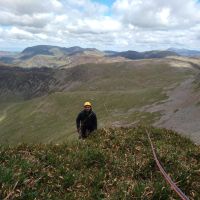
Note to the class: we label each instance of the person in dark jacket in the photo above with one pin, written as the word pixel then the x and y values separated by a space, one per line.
pixel 86 121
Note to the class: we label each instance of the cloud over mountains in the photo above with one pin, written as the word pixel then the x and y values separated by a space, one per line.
pixel 122 25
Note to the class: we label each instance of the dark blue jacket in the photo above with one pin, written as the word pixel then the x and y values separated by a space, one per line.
pixel 87 120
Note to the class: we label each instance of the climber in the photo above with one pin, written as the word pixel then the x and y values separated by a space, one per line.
pixel 86 121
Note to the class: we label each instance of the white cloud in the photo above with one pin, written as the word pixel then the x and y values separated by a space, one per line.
pixel 96 26
pixel 158 14
pixel 129 24
pixel 30 7
pixel 16 33
pixel 35 20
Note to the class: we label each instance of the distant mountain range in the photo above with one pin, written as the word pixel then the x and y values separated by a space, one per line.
pixel 185 52
pixel 8 53
pixel 57 51
pixel 56 57
pixel 7 56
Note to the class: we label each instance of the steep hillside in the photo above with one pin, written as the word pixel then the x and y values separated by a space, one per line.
pixel 112 164
pixel 19 83
pixel 118 93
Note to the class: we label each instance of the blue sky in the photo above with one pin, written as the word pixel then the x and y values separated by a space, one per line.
pixel 106 2
pixel 104 24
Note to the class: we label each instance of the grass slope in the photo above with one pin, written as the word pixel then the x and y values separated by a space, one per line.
pixel 111 164
pixel 117 91
pixel 52 118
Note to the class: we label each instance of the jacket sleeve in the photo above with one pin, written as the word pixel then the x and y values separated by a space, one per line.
pixel 95 121
pixel 78 121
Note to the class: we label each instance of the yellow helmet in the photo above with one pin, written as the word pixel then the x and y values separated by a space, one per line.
pixel 87 103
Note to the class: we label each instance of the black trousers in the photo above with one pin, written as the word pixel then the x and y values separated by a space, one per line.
pixel 84 132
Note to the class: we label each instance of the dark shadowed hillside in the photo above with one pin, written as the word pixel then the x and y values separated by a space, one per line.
pixel 134 55
pixel 25 83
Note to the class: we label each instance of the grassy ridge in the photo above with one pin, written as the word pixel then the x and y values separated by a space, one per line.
pixel 126 76
pixel 111 164
pixel 116 90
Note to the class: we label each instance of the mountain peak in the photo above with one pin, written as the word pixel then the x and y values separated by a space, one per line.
pixel 52 50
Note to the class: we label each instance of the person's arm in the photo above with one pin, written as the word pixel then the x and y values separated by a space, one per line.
pixel 78 120
pixel 95 121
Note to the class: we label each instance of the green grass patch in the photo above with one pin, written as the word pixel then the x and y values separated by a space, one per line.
pixel 110 164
